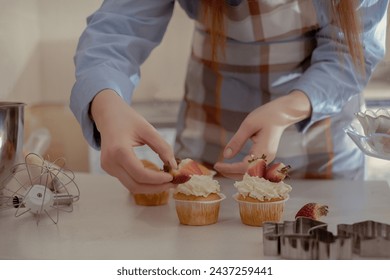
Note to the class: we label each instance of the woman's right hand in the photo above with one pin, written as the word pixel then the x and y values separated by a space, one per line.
pixel 121 129
pixel 264 127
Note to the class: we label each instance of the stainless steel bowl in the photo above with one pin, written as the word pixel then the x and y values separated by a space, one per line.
pixel 11 138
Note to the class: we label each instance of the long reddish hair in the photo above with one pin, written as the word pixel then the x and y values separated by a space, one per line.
pixel 343 13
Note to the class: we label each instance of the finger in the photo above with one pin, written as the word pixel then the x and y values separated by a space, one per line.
pixel 129 162
pixel 232 168
pixel 150 188
pixel 158 144
pixel 263 144
pixel 238 140
pixel 136 187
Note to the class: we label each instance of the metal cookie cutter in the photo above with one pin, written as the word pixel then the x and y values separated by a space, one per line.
pixel 305 238
pixel 370 238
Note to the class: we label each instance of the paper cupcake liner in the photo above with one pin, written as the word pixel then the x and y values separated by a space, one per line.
pixel 198 213
pixel 256 213
pixel 151 199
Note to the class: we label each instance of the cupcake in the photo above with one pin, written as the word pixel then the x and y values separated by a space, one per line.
pixel 262 192
pixel 151 199
pixel 198 200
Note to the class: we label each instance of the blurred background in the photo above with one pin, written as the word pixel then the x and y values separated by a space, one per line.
pixel 38 39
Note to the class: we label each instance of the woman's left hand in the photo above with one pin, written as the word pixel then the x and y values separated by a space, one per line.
pixel 264 127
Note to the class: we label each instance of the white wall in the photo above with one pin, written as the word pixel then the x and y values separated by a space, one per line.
pixel 20 72
pixel 38 40
pixel 61 23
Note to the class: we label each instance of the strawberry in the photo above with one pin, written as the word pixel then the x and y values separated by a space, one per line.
pixel 313 211
pixel 257 166
pixel 179 178
pixel 277 172
pixel 185 169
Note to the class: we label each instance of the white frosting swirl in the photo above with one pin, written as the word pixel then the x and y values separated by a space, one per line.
pixel 261 188
pixel 199 185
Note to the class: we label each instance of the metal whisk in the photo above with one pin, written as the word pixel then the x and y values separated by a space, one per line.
pixel 39 186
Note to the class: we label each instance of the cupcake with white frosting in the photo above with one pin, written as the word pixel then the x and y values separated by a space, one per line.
pixel 255 189
pixel 262 194
pixel 198 200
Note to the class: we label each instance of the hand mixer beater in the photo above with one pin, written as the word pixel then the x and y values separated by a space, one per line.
pixel 39 187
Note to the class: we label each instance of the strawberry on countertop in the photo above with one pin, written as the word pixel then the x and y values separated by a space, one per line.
pixel 313 211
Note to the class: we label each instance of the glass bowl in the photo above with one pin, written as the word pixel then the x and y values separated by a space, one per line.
pixel 370 131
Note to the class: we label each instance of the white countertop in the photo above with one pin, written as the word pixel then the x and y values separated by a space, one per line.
pixel 106 224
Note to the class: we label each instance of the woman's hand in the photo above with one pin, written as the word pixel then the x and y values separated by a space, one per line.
pixel 121 129
pixel 264 127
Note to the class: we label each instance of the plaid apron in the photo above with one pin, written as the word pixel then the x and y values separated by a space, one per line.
pixel 269 45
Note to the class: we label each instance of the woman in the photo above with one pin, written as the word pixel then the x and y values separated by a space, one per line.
pixel 280 78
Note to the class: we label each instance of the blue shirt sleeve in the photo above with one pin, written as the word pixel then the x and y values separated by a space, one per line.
pixel 118 38
pixel 332 79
